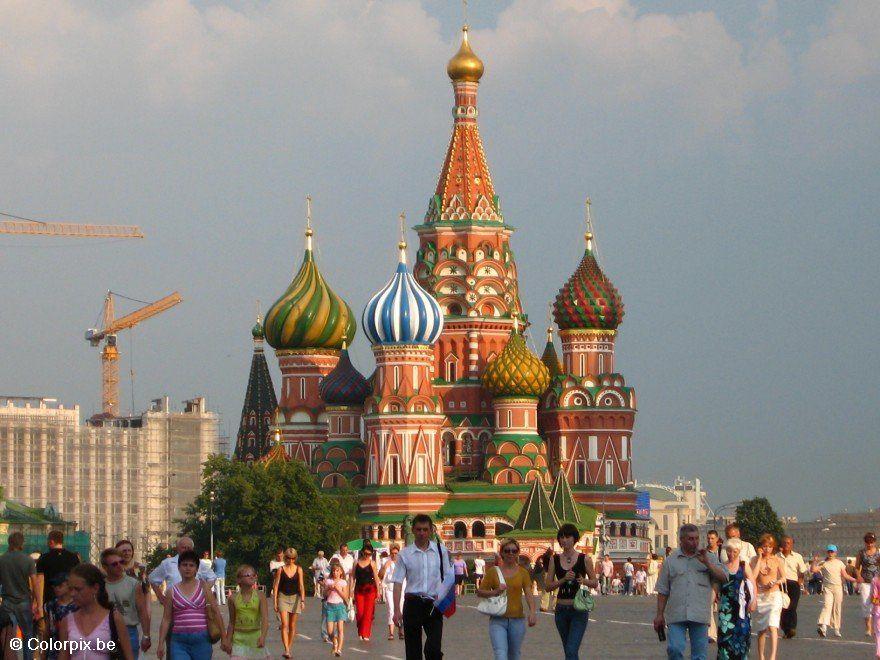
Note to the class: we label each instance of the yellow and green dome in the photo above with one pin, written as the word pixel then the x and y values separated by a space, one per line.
pixel 516 371
pixel 309 314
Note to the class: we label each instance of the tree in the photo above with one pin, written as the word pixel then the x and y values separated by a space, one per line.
pixel 260 508
pixel 756 517
pixel 156 555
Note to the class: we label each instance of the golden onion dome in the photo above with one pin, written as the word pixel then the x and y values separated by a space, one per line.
pixel 516 371
pixel 465 66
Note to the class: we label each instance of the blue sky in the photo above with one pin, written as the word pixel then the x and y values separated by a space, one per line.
pixel 730 149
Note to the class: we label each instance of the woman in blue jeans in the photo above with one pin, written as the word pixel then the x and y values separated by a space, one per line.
pixel 567 572
pixel 186 614
pixel 506 632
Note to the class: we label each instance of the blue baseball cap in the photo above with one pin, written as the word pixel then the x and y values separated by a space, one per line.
pixel 831 548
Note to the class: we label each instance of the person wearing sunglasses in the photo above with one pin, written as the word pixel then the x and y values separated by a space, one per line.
pixel 506 632
pixel 128 599
pixel 366 590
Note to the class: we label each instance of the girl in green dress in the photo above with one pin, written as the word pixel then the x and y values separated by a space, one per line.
pixel 248 617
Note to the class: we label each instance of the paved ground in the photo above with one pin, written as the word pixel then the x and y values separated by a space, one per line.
pixel 619 628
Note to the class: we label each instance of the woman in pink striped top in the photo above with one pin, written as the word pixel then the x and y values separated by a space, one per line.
pixel 186 614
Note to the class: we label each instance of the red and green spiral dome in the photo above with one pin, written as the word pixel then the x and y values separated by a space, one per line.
pixel 588 301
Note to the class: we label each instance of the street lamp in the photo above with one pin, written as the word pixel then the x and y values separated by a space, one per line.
pixel 721 508
pixel 211 520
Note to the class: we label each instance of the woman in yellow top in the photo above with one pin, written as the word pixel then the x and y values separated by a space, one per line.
pixel 507 632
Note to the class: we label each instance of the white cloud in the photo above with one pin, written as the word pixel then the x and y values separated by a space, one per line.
pixel 848 50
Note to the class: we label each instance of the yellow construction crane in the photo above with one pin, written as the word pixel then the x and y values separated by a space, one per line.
pixel 25 226
pixel 110 354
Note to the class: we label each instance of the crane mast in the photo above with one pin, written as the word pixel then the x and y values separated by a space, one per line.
pixel 110 352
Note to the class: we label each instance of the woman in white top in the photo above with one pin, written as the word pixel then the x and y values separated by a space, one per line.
pixel 385 575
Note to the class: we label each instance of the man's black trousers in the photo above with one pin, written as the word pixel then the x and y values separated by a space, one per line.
pixel 420 615
pixel 788 622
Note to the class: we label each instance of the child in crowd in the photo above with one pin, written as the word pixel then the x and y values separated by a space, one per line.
pixel 58 608
pixel 335 599
pixel 248 617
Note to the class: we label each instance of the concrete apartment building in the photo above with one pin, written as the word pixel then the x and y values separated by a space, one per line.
pixel 118 477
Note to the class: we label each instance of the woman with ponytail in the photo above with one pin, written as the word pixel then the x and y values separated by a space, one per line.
pixel 94 621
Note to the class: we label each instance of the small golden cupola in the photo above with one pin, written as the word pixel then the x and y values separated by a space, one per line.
pixel 465 66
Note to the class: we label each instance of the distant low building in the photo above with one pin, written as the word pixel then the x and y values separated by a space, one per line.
pixel 672 507
pixel 118 477
pixel 36 523
pixel 845 530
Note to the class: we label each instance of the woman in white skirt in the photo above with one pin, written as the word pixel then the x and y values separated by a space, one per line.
pixel 385 575
pixel 769 574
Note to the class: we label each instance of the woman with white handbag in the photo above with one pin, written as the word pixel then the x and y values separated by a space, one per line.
pixel 501 593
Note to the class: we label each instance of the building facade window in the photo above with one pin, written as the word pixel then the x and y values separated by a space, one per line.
pixel 593 449
pixel 580 472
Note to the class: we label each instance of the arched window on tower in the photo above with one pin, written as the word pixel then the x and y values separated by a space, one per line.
pixel 381 532
pixel 582 365
pixel 392 532
pixel 460 530
pixel 478 529
pixel 612 529
pixel 601 363
pixel 302 388
pixel 451 368
pixel 396 378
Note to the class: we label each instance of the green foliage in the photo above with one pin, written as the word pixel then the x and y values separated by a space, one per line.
pixel 756 517
pixel 156 555
pixel 261 508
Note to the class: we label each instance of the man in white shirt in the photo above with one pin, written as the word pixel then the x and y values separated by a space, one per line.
pixel 795 570
pixel 628 570
pixel 168 573
pixel 748 550
pixel 346 560
pixel 607 575
pixel 319 572
pixel 479 570
pixel 422 565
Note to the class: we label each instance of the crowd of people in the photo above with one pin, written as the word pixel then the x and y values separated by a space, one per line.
pixel 721 593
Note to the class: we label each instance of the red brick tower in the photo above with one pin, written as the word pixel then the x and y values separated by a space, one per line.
pixel 306 326
pixel 403 416
pixel 588 412
pixel 466 263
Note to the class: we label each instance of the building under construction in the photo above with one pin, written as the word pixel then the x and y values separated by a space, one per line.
pixel 118 477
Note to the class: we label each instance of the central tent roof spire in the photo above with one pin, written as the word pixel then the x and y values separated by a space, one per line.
pixel 465 191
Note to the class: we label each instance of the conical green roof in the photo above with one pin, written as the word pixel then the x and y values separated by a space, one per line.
pixel 562 499
pixel 537 513
pixel 550 358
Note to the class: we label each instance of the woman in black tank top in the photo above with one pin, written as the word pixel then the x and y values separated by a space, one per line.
pixel 366 590
pixel 289 598
pixel 568 571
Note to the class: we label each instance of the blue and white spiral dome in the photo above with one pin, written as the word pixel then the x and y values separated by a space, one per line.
pixel 402 312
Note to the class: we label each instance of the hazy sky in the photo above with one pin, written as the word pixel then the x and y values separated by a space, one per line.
pixel 730 149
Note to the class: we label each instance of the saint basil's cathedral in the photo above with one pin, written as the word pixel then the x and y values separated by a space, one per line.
pixel 460 419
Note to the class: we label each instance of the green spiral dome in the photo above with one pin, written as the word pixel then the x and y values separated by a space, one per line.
pixel 309 314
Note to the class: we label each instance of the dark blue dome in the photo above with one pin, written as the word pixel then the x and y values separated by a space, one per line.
pixel 344 386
